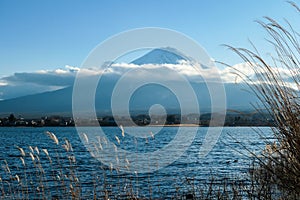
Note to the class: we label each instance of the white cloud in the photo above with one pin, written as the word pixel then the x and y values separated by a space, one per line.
pixel 192 71
pixel 57 77
pixel 2 83
pixel 237 73
pixel 42 71
pixel 242 72
pixel 61 71
pixel 72 68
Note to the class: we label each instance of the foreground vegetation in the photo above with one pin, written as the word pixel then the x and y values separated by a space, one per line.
pixel 278 170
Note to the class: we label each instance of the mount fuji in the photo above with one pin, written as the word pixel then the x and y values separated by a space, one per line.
pixel 161 56
pixel 60 101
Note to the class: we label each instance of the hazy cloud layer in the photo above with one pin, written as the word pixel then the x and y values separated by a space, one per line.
pixel 20 84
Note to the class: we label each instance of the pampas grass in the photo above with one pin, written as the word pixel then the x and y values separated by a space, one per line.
pixel 277 172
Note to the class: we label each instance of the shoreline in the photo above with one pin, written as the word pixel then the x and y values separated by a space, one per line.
pixel 167 125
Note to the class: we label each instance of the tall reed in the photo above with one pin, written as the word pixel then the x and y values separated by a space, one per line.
pixel 278 170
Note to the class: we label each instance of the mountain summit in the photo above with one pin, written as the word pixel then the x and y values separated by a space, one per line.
pixel 161 56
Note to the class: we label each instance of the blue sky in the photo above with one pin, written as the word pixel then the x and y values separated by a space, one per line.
pixel 45 35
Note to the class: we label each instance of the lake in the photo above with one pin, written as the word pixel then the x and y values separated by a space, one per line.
pixel 229 158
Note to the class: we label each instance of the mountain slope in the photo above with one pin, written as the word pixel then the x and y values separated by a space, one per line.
pixel 54 102
pixel 60 101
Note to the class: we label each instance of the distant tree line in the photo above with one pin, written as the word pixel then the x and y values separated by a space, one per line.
pixel 139 120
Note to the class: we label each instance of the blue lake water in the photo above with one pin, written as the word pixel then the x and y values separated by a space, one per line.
pixel 230 157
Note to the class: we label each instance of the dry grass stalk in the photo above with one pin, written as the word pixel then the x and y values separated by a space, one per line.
pixel 280 167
